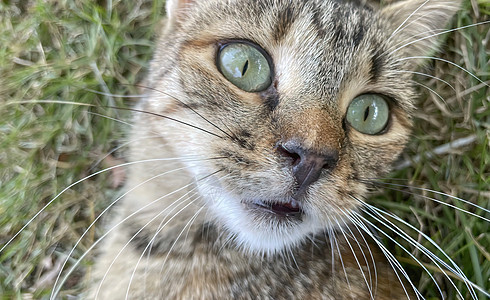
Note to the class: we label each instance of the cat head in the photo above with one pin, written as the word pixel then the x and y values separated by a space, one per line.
pixel 294 105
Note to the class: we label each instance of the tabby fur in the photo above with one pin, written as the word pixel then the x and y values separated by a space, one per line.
pixel 191 232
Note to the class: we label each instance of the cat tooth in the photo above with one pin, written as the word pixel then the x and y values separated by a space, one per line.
pixel 294 204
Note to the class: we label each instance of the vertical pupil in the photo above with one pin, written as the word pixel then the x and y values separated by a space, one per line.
pixel 245 68
pixel 366 113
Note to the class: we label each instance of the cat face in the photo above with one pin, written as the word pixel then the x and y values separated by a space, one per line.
pixel 297 104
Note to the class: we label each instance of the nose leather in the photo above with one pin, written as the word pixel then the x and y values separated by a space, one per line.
pixel 310 165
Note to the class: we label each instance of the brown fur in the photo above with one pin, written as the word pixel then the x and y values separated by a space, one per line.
pixel 324 54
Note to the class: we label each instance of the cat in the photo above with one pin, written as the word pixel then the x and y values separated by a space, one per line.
pixel 254 150
pixel 270 117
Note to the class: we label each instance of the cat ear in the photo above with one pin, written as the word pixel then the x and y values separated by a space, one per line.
pixel 419 22
pixel 176 9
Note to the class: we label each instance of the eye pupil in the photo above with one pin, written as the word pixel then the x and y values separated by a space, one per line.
pixel 245 65
pixel 245 68
pixel 366 113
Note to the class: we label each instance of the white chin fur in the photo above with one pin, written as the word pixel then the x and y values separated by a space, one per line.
pixel 252 233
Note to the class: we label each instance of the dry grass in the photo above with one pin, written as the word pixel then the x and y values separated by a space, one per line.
pixel 61 50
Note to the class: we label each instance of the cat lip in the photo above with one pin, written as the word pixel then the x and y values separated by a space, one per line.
pixel 289 208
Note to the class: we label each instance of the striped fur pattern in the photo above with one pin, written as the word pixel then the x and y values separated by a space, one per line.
pixel 192 230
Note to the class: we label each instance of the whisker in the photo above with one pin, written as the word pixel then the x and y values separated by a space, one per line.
pixel 55 292
pixel 119 148
pixel 356 259
pixel 431 90
pixel 446 61
pixel 120 108
pixel 148 245
pixel 109 94
pixel 436 34
pixel 141 229
pixel 420 25
pixel 330 234
pixel 370 254
pixel 406 20
pixel 341 261
pixel 188 226
pixel 111 118
pixel 389 186
pixel 370 286
pixel 187 106
pixel 152 241
pixel 436 260
pixel 74 184
pixel 230 135
pixel 427 75
pixel 359 219
pixel 294 259
pixel 160 226
pixel 103 212
pixel 165 117
pixel 460 274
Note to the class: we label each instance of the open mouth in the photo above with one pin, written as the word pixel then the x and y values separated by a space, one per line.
pixel 291 208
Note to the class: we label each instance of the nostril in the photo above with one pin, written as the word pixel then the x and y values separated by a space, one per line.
pixel 331 160
pixel 307 165
pixel 295 157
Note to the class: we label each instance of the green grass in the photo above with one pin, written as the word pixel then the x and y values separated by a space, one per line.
pixel 60 50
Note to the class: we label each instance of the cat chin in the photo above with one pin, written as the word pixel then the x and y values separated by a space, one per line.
pixel 254 231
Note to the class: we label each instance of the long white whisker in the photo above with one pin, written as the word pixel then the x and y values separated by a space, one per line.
pixel 460 273
pixel 168 95
pixel 431 90
pixel 420 25
pixel 341 261
pixel 48 101
pixel 436 34
pixel 160 228
pixel 120 147
pixel 389 186
pixel 74 184
pixel 141 256
pixel 179 201
pixel 446 61
pixel 102 213
pixel 427 75
pixel 187 226
pixel 370 285
pixel 436 260
pixel 230 135
pixel 108 94
pixel 111 118
pixel 294 259
pixel 357 260
pixel 152 241
pixel 330 233
pixel 369 250
pixel 405 21
pixel 113 228
pixel 359 219
pixel 141 229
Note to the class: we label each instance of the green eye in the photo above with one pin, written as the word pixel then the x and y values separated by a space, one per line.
pixel 368 113
pixel 245 66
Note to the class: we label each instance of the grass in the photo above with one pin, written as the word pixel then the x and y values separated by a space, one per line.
pixel 61 50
